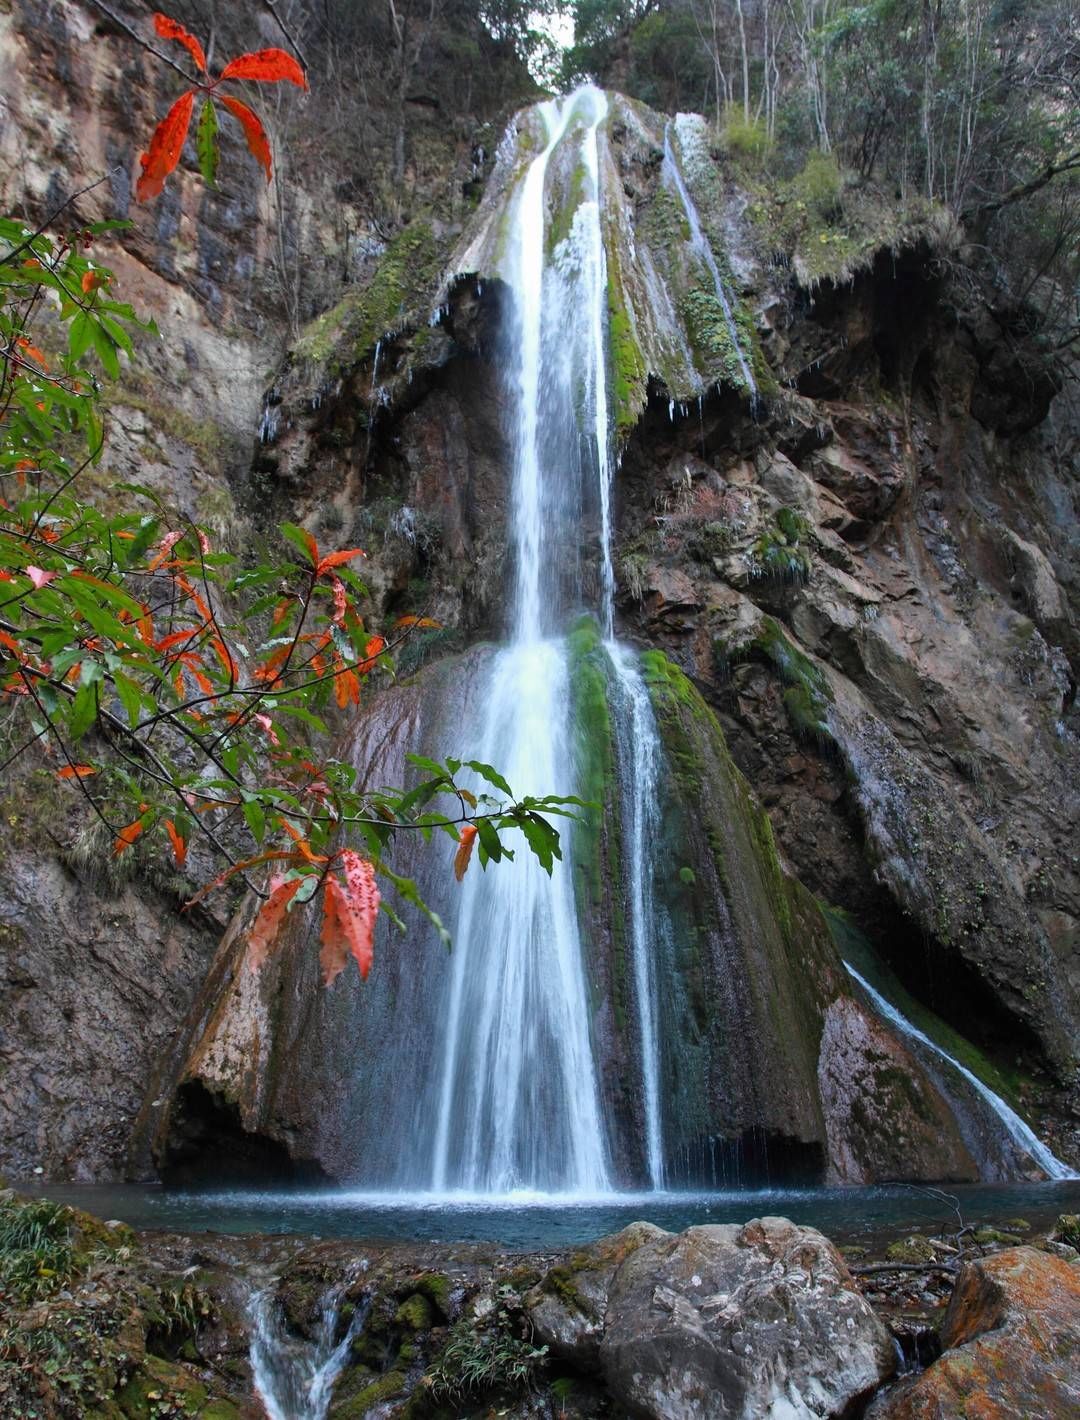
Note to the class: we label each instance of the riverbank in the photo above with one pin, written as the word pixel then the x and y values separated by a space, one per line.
pixel 101 1321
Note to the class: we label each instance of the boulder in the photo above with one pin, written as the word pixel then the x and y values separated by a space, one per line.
pixel 1012 1345
pixel 761 1322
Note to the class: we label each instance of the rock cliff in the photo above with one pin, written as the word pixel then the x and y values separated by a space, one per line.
pixel 865 578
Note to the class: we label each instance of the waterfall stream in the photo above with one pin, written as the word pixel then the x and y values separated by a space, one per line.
pixel 519 1105
pixel 293 1377
pixel 1011 1123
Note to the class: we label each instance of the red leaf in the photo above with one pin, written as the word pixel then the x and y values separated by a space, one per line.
pixel 335 559
pixel 423 623
pixel 349 917
pixel 334 953
pixel 271 915
pixel 340 601
pixel 254 132
pixel 165 547
pixel 169 29
pixel 266 65
pixel 39 578
pixel 466 839
pixel 35 354
pixel 76 771
pixel 165 148
pixel 179 847
pixel 346 688
pixel 127 836
pixel 375 646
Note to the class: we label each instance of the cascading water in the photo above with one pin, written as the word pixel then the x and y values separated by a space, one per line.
pixel 1011 1123
pixel 519 1104
pixel 520 1100
pixel 701 245
pixel 295 1378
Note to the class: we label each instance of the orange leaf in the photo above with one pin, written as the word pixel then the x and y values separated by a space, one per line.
pixel 302 843
pixel 349 917
pixel 127 836
pixel 266 65
pixel 93 281
pixel 165 148
pixel 254 132
pixel 179 847
pixel 340 601
pixel 336 559
pixel 75 771
pixel 466 839
pixel 271 915
pixel 423 623
pixel 346 688
pixel 164 549
pixel 35 354
pixel 334 953
pixel 375 646
pixel 169 29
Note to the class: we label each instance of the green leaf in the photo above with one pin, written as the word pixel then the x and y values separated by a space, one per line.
pixel 83 712
pixel 542 839
pixel 489 841
pixel 299 539
pixel 492 776
pixel 106 351
pixel 206 142
pixel 255 818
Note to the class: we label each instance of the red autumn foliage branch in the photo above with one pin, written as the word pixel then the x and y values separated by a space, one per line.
pixel 262 66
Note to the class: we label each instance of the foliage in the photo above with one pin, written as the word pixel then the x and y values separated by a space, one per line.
pixel 177 688
pixel 167 143
pixel 484 1354
pixel 36 1253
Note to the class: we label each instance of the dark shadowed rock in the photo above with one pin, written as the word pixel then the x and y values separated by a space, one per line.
pixel 1012 1338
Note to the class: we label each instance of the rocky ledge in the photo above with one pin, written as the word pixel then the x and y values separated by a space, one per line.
pixel 764 1321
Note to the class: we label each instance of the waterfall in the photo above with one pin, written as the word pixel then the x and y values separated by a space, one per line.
pixel 519 1104
pixel 295 1378
pixel 673 177
pixel 1020 1134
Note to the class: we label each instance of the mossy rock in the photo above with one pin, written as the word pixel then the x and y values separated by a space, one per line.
pixel 990 1237
pixel 914 1248
pixel 415 1312
pixel 437 1288
pixel 356 1405
pixel 158 1381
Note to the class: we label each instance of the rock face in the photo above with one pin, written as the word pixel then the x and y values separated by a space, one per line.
pixel 1012 1339
pixel 761 1321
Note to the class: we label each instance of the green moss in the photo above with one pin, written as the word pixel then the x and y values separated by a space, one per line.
pixel 437 1288
pixel 405 276
pixel 628 372
pixel 415 1313
pixel 356 1406
pixel 808 694
pixel 915 1248
pixel 595 840
pixel 562 219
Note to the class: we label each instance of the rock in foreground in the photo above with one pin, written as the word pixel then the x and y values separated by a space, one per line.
pixel 759 1321
pixel 1014 1321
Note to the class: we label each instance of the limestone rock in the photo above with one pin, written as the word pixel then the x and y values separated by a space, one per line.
pixel 758 1321
pixel 1012 1338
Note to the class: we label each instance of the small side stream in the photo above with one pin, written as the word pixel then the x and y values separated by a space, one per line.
pixel 294 1377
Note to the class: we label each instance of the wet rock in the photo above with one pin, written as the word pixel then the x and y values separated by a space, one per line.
pixel 762 1320
pixel 884 1117
pixel 1012 1345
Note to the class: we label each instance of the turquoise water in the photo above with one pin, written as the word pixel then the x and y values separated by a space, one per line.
pixel 526 1222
